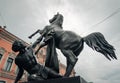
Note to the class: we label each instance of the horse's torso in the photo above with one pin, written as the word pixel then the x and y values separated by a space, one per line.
pixel 64 39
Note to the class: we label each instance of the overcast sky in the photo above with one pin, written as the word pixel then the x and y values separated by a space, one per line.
pixel 23 17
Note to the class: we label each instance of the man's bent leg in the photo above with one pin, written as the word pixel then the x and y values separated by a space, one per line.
pixel 52 73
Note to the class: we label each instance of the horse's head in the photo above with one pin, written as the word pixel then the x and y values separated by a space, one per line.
pixel 57 19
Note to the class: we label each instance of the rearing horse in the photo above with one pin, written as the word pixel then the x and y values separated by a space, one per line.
pixel 72 44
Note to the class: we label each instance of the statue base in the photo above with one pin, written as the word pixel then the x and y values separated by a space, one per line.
pixel 59 80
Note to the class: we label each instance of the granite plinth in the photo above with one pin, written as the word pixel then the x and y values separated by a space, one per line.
pixel 59 80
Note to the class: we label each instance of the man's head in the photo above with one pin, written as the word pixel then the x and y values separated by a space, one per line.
pixel 17 45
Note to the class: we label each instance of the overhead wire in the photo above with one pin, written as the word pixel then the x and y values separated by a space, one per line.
pixel 111 15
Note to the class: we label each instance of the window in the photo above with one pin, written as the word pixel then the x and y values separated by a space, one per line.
pixel 2 81
pixel 17 70
pixel 0 56
pixel 8 64
pixel 2 51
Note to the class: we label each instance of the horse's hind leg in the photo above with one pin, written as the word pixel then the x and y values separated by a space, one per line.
pixel 71 61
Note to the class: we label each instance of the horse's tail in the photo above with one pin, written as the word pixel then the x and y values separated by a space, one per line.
pixel 97 42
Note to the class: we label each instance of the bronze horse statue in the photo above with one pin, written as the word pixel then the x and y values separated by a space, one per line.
pixel 72 44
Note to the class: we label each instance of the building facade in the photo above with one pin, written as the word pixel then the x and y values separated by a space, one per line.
pixel 8 69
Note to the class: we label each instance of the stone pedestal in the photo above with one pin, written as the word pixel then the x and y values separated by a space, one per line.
pixel 59 80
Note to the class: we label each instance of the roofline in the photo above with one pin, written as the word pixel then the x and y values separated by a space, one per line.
pixel 11 35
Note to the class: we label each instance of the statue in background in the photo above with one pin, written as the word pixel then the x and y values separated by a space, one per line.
pixel 26 60
pixel 70 43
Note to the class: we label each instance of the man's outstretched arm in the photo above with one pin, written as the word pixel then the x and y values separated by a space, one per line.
pixel 19 75
pixel 42 32
pixel 41 45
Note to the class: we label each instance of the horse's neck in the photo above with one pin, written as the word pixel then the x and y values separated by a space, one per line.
pixel 54 26
pixel 57 30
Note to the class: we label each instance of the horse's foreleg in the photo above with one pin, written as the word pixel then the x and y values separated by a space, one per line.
pixel 71 61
